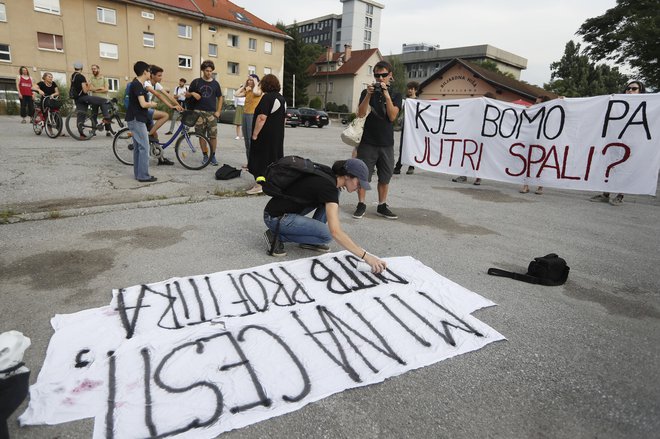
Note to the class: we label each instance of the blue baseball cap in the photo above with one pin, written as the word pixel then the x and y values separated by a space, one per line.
pixel 357 168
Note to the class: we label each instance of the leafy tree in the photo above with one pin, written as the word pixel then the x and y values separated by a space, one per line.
pixel 399 74
pixel 297 58
pixel 627 33
pixel 492 66
pixel 575 75
pixel 316 103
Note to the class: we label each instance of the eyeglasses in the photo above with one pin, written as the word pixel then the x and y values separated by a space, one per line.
pixel 632 88
pixel 381 75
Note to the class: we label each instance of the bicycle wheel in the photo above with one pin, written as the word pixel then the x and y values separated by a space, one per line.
pixel 53 124
pixel 122 146
pixel 85 131
pixel 189 150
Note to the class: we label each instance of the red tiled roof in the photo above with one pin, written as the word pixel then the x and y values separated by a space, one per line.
pixel 222 10
pixel 351 67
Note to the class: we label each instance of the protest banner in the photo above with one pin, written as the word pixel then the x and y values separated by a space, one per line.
pixel 604 143
pixel 197 356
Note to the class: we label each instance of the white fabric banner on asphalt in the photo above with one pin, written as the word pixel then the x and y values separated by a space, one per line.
pixel 197 356
pixel 604 143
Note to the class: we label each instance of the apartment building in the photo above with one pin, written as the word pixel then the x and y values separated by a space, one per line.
pixel 358 26
pixel 50 35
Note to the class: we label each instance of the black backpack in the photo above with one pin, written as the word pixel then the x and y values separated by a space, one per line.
pixel 548 270
pixel 226 172
pixel 284 172
pixel 74 92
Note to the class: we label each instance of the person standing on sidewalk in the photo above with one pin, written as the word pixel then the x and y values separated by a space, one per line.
pixel 252 94
pixel 25 88
pixel 377 145
pixel 136 119
pixel 208 101
pixel 411 92
pixel 180 95
pixel 633 88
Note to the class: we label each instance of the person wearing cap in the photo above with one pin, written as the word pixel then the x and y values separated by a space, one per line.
pixel 287 220
pixel 83 99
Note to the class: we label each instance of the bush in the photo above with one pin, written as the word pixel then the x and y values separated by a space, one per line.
pixel 316 103
pixel 331 106
pixel 343 108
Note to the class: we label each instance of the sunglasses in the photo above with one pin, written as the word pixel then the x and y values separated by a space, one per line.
pixel 381 75
pixel 632 88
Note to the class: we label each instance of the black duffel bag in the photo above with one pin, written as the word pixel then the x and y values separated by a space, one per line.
pixel 548 270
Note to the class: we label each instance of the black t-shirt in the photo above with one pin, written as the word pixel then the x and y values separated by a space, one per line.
pixel 48 90
pixel 210 92
pixel 135 110
pixel 378 130
pixel 77 80
pixel 319 190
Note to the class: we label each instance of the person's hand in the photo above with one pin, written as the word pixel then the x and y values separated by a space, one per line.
pixel 178 108
pixel 217 114
pixel 370 89
pixel 377 265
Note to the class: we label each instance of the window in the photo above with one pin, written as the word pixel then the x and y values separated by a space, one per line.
pixel 3 12
pixel 330 87
pixel 267 70
pixel 368 22
pixel 5 53
pixel 185 31
pixel 252 44
pixel 105 15
pixel 213 29
pixel 148 15
pixel 268 47
pixel 367 35
pixel 108 50
pixel 232 40
pixel 50 42
pixel 50 6
pixel 318 87
pixel 213 49
pixel 367 46
pixel 371 70
pixel 232 68
pixel 370 9
pixel 113 84
pixel 185 61
pixel 148 39
pixel 252 70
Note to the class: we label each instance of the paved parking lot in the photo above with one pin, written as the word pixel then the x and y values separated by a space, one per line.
pixel 581 360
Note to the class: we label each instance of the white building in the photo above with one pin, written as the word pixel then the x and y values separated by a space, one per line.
pixel 358 26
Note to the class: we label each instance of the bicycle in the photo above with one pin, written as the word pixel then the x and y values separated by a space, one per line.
pixel 188 147
pixel 47 116
pixel 88 128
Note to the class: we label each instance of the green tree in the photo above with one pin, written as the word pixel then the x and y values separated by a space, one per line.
pixel 492 66
pixel 627 33
pixel 575 75
pixel 298 56
pixel 399 74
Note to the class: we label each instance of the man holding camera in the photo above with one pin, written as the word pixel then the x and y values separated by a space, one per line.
pixel 377 145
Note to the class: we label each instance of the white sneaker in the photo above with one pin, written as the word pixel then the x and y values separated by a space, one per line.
pixel 237 138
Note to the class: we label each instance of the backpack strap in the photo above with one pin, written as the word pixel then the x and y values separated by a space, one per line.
pixel 516 276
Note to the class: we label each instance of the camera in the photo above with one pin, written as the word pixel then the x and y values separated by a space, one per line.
pixel 378 87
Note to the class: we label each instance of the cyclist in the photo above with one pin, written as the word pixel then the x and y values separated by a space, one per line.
pixel 154 88
pixel 48 89
pixel 80 94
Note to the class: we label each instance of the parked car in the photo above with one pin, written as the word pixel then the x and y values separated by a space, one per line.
pixel 292 117
pixel 310 116
pixel 227 114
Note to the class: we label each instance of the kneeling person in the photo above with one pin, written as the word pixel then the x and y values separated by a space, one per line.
pixel 287 221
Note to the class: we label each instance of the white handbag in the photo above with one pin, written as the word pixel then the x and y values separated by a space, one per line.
pixel 353 134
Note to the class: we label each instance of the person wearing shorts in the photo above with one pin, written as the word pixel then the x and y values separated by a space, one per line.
pixel 208 102
pixel 376 148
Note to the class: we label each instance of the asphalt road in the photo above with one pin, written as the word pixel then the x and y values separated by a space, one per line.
pixel 581 360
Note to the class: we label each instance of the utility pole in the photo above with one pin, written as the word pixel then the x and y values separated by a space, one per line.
pixel 294 90
pixel 328 54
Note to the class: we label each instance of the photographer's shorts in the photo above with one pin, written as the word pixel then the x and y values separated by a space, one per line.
pixel 382 157
pixel 207 124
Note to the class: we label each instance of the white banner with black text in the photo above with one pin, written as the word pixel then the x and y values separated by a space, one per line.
pixel 197 356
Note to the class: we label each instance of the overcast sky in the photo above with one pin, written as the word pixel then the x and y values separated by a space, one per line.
pixel 537 30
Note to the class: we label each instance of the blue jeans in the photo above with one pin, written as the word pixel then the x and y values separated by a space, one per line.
pixel 140 149
pixel 300 228
pixel 246 127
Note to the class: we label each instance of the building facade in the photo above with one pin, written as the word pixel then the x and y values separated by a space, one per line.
pixel 357 26
pixel 422 60
pixel 177 35
pixel 340 77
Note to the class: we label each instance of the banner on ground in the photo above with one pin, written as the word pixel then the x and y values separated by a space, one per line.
pixel 197 356
pixel 604 143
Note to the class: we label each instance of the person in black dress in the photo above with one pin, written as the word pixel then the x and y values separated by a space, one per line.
pixel 267 144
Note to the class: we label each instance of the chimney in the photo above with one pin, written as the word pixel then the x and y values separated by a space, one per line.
pixel 347 52
pixel 328 54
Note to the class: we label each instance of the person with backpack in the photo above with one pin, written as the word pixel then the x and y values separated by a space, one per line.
pixel 316 191
pixel 79 92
